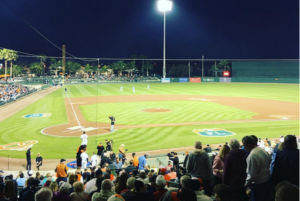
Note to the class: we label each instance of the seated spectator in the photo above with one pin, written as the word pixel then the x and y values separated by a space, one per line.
pixel 10 191
pixel 235 166
pixel 140 191
pixel 98 185
pixel 86 176
pixel 286 163
pixel 130 168
pixel 118 165
pixel 258 171
pixel 27 186
pixel 195 185
pixel 218 164
pixel 116 197
pixel 72 179
pixel 127 194
pixel 207 149
pixel 29 194
pixel 122 183
pixel 160 184
pixel 21 180
pixel 44 194
pixel 199 166
pixel 48 182
pixel 135 174
pixel 160 165
pixel 106 191
pixel 29 174
pixel 63 193
pixel 268 148
pixel 169 164
pixel 223 193
pixel 79 194
pixel 285 191
pixel 48 175
pixel 53 186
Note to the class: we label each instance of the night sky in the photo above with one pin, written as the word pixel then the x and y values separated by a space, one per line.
pixel 218 29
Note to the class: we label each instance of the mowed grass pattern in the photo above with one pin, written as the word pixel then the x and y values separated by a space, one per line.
pixel 16 128
pixel 131 113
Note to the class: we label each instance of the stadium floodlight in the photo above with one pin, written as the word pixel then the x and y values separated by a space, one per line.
pixel 164 5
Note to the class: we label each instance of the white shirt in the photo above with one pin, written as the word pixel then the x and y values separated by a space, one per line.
pixel 84 156
pixel 281 139
pixel 94 160
pixel 261 144
pixel 258 166
pixel 84 138
pixel 90 186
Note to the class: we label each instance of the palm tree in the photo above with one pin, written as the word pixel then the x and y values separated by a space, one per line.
pixel 224 64
pixel 43 60
pixel 148 66
pixel 12 56
pixel 4 55
pixel 131 67
pixel 143 57
pixel 119 66
pixel 17 69
pixel 103 69
pixel 35 68
pixel 214 67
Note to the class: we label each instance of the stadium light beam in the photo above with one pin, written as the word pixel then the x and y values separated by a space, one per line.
pixel 164 6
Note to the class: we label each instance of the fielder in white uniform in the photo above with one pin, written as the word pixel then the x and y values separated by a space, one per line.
pixel 121 89
pixel 133 90
pixel 84 138
pixel 148 86
pixel 94 160
pixel 84 159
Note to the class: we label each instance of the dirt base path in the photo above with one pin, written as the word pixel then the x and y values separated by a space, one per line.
pixel 268 110
pixel 12 108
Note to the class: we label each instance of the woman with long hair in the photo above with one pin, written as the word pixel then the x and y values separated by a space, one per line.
pixel 9 191
pixel 218 164
pixel 53 186
pixel 122 183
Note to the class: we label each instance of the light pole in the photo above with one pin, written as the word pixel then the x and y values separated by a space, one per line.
pixel 164 5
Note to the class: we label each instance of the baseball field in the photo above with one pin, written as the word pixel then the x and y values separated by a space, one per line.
pixel 169 115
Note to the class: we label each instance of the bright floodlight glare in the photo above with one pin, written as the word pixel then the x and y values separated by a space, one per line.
pixel 164 5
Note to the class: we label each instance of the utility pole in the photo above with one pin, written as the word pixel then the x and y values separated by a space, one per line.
pixel 202 67
pixel 63 63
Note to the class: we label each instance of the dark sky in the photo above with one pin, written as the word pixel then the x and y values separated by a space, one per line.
pixel 219 29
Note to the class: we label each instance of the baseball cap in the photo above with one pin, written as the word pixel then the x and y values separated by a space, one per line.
pixel 163 170
pixel 116 197
pixel 175 153
pixel 30 172
pixel 160 180
pixel 62 160
pixel 65 185
pixel 98 172
pixel 281 136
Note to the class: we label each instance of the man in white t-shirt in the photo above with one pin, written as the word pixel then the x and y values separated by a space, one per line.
pixel 94 160
pixel 84 138
pixel 84 159
pixel 91 185
pixel 281 139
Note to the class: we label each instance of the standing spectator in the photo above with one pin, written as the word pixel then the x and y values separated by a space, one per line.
pixel 21 181
pixel 84 138
pixel 44 194
pixel 258 171
pixel 39 161
pixel 130 168
pixel 94 160
pixel 79 194
pixel 234 174
pixel 91 185
pixel 122 155
pixel 61 171
pixel 100 149
pixel 112 123
pixel 286 164
pixel 108 145
pixel 135 160
pixel 28 158
pixel 199 165
pixel 218 164
pixel 286 191
pixel 143 161
pixel 175 160
pixel 207 149
pixel 84 159
pixel 160 166
pixel 185 159
pixel 160 184
pixel 122 183
pixel 9 191
pixel 106 191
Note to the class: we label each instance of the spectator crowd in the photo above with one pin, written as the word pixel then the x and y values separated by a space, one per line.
pixel 256 169
pixel 13 91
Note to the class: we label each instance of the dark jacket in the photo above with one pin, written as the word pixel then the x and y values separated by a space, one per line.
pixel 175 160
pixel 286 166
pixel 235 166
pixel 199 165
pixel 207 149
pixel 104 160
pixel 100 150
pixel 185 160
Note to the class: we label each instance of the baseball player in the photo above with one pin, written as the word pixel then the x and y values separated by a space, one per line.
pixel 133 89
pixel 66 90
pixel 84 159
pixel 121 89
pixel 148 86
pixel 84 138
pixel 94 160
pixel 112 124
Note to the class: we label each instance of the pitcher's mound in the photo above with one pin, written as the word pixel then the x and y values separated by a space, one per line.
pixel 157 110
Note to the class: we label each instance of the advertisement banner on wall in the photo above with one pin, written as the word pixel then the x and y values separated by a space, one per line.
pixel 195 79
pixel 165 80
pixel 225 79
pixel 183 79
pixel 208 79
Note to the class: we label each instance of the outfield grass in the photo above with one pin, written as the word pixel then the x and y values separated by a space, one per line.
pixel 16 128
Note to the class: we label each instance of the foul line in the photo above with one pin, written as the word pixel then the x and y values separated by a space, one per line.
pixel 73 110
pixel 44 106
pixel 282 126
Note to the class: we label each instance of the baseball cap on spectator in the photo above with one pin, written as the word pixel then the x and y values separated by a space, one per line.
pixel 160 180
pixel 30 172
pixel 116 197
pixel 65 185
pixel 163 170
pixel 98 172
pixel 62 160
